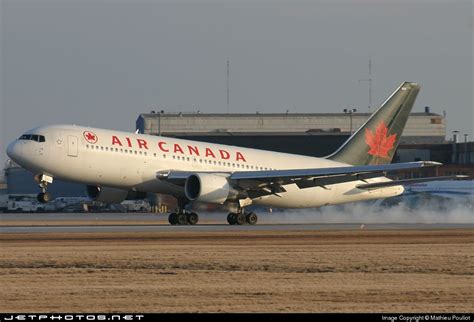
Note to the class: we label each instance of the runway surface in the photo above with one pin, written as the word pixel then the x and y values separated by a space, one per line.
pixel 120 222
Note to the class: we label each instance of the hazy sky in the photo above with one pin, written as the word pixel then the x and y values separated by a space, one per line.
pixel 101 63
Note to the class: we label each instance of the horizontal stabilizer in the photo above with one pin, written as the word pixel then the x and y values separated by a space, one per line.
pixel 407 182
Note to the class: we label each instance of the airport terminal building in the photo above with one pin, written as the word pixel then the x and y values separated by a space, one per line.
pixel 315 134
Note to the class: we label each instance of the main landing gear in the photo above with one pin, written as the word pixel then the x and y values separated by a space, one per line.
pixel 242 218
pixel 43 180
pixel 183 218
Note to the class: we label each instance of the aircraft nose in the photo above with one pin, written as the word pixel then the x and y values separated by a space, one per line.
pixel 14 150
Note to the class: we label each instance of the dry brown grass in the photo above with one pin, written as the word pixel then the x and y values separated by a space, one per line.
pixel 306 271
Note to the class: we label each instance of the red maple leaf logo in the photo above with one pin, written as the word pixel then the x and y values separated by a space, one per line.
pixel 378 142
pixel 90 137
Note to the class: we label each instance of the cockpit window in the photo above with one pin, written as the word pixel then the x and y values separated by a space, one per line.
pixel 33 137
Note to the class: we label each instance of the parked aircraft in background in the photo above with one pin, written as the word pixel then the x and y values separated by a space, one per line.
pixel 447 189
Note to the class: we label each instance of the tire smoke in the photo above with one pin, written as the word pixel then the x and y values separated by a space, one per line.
pixel 426 211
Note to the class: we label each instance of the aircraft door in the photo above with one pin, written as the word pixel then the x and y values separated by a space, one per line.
pixel 72 145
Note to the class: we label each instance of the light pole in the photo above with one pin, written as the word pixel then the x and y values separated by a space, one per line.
pixel 455 146
pixel 350 112
pixel 159 122
pixel 466 158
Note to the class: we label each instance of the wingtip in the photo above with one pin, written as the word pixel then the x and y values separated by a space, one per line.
pixel 462 177
pixel 430 163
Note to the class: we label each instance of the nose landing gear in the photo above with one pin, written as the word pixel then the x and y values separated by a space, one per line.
pixel 44 197
pixel 43 180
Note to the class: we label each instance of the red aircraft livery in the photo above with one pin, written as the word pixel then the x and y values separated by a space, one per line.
pixel 190 150
pixel 379 142
pixel 90 137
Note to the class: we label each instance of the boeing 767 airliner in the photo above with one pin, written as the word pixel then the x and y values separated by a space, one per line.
pixel 116 164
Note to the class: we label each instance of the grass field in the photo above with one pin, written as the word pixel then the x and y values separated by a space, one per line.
pixel 262 271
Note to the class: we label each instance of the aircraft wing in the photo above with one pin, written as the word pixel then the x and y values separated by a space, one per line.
pixel 273 181
pixel 259 183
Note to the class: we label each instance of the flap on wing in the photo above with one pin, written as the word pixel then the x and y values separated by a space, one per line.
pixel 407 182
pixel 324 181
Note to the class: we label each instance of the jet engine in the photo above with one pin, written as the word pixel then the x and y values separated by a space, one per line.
pixel 112 195
pixel 209 187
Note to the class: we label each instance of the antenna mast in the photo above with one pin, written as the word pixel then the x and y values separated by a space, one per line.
pixel 228 86
pixel 369 80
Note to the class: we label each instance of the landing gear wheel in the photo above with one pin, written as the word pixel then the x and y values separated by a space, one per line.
pixel 192 218
pixel 44 197
pixel 182 219
pixel 231 218
pixel 240 219
pixel 252 218
pixel 173 218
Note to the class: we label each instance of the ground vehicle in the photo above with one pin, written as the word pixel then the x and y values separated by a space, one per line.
pixel 25 206
pixel 136 205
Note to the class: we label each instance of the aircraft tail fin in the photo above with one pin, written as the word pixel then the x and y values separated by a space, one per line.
pixel 375 142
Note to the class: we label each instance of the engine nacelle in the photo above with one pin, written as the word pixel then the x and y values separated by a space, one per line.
pixel 208 187
pixel 112 195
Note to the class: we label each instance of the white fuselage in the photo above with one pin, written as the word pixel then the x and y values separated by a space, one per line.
pixel 131 161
